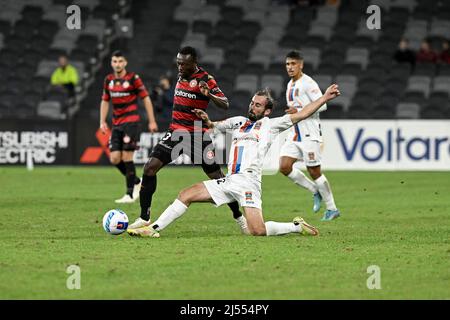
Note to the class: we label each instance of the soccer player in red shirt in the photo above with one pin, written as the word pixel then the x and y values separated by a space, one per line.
pixel 123 88
pixel 194 89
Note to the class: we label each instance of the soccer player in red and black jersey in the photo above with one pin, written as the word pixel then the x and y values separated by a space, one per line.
pixel 123 88
pixel 194 89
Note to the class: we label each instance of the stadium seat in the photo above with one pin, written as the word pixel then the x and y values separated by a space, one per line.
pixel 319 30
pixel 275 83
pixel 442 84
pixel 264 47
pixel 214 56
pixel 327 15
pixel 414 97
pixel 278 16
pixel 268 33
pixel 194 4
pixel 312 56
pixel 46 68
pixel 433 112
pixel 383 112
pixel 419 84
pixel 50 109
pixel 184 14
pixel 344 101
pixel 357 55
pixel 246 82
pixel 256 16
pixel 407 111
pixel 324 81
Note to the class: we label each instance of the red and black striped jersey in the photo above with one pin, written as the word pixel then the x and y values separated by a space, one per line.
pixel 188 97
pixel 123 93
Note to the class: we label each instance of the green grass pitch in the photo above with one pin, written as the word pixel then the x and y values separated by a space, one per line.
pixel 51 218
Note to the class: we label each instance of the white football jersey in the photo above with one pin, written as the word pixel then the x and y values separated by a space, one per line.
pixel 251 141
pixel 298 94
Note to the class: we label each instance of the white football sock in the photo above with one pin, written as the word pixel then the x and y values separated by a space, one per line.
pixel 173 212
pixel 300 179
pixel 325 191
pixel 279 228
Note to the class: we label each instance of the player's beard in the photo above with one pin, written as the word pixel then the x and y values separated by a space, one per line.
pixel 254 117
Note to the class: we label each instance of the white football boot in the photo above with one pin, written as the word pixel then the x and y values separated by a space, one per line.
pixel 242 222
pixel 136 190
pixel 305 228
pixel 145 232
pixel 126 199
pixel 139 223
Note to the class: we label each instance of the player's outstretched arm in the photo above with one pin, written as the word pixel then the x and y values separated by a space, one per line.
pixel 331 93
pixel 221 102
pixel 104 108
pixel 204 116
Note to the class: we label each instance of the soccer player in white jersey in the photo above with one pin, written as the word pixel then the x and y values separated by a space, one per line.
pixel 305 138
pixel 251 139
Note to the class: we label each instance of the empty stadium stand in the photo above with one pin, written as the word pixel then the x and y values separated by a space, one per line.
pixel 241 42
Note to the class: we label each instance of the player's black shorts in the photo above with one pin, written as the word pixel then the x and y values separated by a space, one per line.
pixel 201 151
pixel 124 137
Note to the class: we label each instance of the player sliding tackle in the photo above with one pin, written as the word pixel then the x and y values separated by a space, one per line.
pixel 252 137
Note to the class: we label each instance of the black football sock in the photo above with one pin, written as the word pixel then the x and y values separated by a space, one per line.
pixel 148 188
pixel 130 176
pixel 234 206
pixel 137 180
pixel 122 168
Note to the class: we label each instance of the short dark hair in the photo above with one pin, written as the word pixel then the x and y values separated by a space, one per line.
pixel 189 50
pixel 118 53
pixel 295 54
pixel 270 102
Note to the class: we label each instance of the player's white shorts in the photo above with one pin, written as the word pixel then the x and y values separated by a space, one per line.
pixel 236 187
pixel 307 151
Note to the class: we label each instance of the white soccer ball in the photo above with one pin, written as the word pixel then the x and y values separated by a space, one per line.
pixel 115 221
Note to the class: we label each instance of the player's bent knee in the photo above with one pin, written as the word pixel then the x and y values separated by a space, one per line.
pixel 285 169
pixel 258 231
pixel 150 169
pixel 186 196
pixel 115 160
